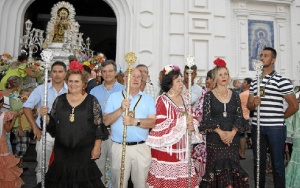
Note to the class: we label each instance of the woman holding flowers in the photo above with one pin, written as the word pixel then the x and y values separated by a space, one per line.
pixel 75 121
pixel 168 140
pixel 222 120
pixel 9 171
pixel 13 85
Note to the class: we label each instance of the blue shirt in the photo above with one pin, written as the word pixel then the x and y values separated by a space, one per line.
pixel 102 94
pixel 37 98
pixel 144 108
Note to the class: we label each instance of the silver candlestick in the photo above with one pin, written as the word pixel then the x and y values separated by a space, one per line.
pixel 32 40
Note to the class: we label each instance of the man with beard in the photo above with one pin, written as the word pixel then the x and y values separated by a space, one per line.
pixel 273 89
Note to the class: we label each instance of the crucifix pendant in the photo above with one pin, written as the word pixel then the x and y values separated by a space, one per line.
pixel 224 114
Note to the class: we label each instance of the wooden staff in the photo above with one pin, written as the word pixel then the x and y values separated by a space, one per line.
pixel 130 58
pixel 258 65
pixel 190 61
pixel 47 56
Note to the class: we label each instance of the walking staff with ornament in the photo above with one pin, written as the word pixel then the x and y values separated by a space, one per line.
pixel 130 58
pixel 258 66
pixel 190 61
pixel 47 57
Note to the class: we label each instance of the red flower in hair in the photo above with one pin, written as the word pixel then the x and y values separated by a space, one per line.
pixel 75 65
pixel 220 62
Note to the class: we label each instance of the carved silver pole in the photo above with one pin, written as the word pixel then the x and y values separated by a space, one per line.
pixel 258 65
pixel 190 61
pixel 47 56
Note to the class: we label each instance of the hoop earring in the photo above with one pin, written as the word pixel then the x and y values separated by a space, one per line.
pixel 171 93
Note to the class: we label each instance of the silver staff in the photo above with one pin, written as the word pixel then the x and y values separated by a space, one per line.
pixel 47 56
pixel 190 61
pixel 258 65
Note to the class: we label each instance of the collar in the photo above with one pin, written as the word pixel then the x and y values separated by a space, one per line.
pixel 50 85
pixel 270 74
pixel 139 93
pixel 115 83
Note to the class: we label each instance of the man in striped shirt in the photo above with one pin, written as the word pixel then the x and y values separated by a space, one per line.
pixel 273 89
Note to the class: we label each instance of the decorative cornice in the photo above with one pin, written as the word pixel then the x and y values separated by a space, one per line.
pixel 272 1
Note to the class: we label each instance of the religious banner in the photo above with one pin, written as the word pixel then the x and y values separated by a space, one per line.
pixel 260 35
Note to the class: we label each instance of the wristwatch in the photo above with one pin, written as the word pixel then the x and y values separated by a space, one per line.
pixel 138 122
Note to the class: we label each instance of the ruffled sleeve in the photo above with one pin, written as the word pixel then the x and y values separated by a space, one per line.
pixel 289 126
pixel 240 122
pixel 293 125
pixel 169 127
pixel 101 130
pixel 208 123
pixel 21 70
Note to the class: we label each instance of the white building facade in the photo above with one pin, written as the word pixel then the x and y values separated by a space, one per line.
pixel 163 32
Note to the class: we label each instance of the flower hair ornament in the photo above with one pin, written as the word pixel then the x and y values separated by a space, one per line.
pixel 75 65
pixel 220 62
pixel 11 83
pixel 169 68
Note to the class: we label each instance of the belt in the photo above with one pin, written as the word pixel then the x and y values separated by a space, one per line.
pixel 132 143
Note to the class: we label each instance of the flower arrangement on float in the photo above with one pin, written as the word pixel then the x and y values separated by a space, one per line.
pixel 93 62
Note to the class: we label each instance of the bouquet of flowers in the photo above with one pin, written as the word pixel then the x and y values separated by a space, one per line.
pixel 38 69
pixel 5 61
pixel 16 101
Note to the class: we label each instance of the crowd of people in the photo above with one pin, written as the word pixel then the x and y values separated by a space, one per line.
pixel 86 142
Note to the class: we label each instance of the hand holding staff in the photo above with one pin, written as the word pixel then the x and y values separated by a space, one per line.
pixel 130 58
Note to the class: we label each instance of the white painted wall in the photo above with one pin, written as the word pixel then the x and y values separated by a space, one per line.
pixel 164 32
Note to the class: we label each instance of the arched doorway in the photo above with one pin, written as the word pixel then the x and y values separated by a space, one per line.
pixel 96 18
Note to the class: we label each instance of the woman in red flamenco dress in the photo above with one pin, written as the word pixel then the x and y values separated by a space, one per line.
pixel 169 139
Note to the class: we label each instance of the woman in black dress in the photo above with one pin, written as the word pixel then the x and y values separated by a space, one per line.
pixel 222 119
pixel 75 121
